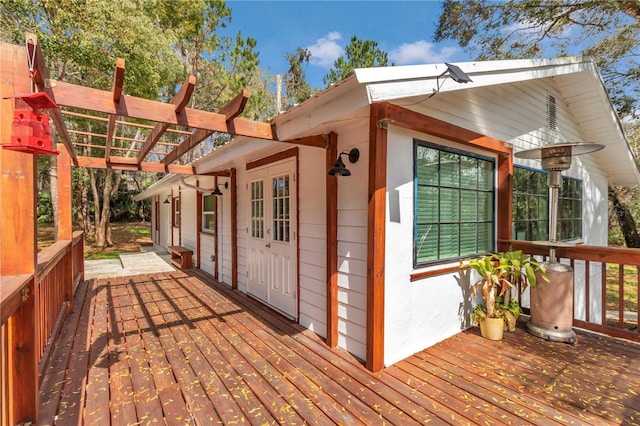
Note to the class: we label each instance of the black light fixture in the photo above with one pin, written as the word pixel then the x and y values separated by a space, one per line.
pixel 455 73
pixel 217 190
pixel 339 169
pixel 166 201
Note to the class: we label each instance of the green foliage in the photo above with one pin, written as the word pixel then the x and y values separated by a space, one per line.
pixel 357 54
pixel 298 90
pixel 45 208
pixel 606 30
pixel 499 273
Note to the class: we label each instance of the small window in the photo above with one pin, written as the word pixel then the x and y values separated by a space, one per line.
pixel 454 204
pixel 209 213
pixel 257 209
pixel 570 209
pixel 176 212
pixel 531 206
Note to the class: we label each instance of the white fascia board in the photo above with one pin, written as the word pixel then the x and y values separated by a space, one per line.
pixel 617 159
pixel 331 105
pixel 158 187
pixel 391 85
pixel 222 157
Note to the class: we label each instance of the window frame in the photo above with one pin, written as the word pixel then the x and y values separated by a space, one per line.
pixel 529 193
pixel 562 198
pixel 176 211
pixel 204 213
pixel 493 208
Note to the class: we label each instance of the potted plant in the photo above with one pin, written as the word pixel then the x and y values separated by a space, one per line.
pixel 499 274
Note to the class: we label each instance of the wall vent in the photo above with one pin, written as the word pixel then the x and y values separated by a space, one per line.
pixel 551 113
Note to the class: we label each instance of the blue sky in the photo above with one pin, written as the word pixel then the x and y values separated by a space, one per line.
pixel 403 29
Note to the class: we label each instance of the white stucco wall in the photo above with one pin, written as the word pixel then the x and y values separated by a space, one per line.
pixel 421 313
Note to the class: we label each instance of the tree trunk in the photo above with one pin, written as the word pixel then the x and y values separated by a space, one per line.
pixel 103 229
pixel 97 211
pixel 625 220
pixel 82 203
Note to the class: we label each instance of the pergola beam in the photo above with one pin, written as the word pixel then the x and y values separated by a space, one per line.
pixel 180 101
pixel 187 145
pixel 128 163
pixel 41 79
pixel 230 111
pixel 118 82
pixel 235 106
pixel 70 95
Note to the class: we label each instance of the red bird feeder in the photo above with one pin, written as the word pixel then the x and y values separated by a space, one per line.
pixel 30 131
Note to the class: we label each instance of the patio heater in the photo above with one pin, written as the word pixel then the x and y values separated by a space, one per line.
pixel 552 302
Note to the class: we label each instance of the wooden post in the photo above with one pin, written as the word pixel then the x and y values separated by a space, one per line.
pixel 505 196
pixel 216 237
pixel 332 242
pixel 65 220
pixel 18 251
pixel 234 230
pixel 376 237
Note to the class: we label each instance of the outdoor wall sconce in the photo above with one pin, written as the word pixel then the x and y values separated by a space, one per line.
pixel 30 130
pixel 166 201
pixel 339 169
pixel 217 190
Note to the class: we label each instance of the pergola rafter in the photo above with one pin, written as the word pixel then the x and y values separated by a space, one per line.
pixel 118 83
pixel 113 104
pixel 180 101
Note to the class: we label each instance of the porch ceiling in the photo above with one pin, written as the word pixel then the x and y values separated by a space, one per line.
pixel 180 346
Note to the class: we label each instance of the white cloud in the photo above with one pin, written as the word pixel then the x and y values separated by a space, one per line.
pixel 420 52
pixel 326 50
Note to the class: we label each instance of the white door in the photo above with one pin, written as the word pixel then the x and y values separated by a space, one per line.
pixel 272 260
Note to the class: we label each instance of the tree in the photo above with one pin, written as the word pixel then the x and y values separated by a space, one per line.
pixel 162 41
pixel 606 30
pixel 298 90
pixel 357 54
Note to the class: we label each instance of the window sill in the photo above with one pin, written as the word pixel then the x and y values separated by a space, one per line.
pixel 437 270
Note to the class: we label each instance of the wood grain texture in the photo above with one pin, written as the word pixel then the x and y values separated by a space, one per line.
pixel 191 349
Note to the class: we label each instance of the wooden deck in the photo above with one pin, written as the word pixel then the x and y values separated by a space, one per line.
pixel 179 348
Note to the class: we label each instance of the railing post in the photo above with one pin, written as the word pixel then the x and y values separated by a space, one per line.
pixel 18 242
pixel 65 220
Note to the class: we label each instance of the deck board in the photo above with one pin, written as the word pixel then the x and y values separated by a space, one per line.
pixel 180 348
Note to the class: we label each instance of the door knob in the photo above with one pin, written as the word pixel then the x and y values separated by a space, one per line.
pixel 268 245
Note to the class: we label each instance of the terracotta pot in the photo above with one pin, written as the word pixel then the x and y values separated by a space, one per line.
pixel 492 328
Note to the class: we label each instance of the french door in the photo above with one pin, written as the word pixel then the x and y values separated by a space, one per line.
pixel 272 228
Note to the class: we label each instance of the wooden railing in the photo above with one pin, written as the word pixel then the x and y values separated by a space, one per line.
pixel 42 300
pixel 606 285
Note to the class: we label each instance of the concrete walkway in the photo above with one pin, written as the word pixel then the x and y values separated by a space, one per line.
pixel 148 261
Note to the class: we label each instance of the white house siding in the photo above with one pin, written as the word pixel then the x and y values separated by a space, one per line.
pixel 419 314
pixel 189 221
pixel 312 239
pixel 224 233
pixel 352 241
pixel 207 246
pixel 165 221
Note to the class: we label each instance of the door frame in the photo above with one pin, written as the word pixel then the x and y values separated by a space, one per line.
pixel 269 161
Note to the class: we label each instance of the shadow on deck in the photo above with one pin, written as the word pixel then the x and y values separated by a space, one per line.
pixel 181 347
